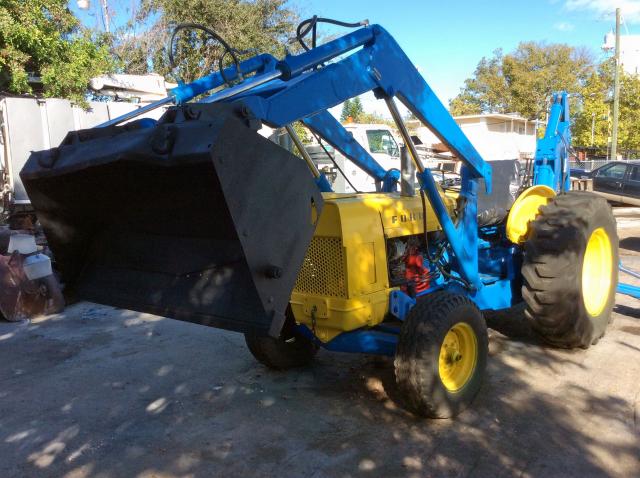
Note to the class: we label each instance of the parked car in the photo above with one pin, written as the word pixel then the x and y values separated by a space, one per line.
pixel 579 173
pixel 618 181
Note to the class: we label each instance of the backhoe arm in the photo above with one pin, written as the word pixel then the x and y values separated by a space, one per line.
pixel 551 162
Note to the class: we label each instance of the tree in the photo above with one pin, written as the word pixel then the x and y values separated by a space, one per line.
pixel 593 114
pixel 485 92
pixel 247 26
pixel 523 80
pixel 42 38
pixel 352 110
pixel 346 111
pixel 356 110
pixel 375 118
pixel 302 132
pixel 595 105
pixel 629 122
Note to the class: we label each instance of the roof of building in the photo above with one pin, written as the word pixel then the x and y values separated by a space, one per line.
pixel 502 116
pixel 366 125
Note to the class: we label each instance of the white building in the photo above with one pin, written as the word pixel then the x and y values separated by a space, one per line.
pixel 495 136
pixel 629 51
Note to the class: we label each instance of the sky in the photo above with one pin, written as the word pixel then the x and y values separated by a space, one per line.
pixel 446 39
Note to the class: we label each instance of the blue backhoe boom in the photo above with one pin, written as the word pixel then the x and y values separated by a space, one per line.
pixel 551 162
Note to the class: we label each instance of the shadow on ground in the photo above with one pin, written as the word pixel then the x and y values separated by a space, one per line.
pixel 630 244
pixel 110 393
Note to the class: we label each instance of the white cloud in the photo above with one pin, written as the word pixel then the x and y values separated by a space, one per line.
pixel 607 8
pixel 564 26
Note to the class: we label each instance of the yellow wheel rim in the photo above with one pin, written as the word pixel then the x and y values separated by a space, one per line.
pixel 458 356
pixel 524 210
pixel 597 268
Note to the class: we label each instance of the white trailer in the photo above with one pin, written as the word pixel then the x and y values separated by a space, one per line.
pixel 31 124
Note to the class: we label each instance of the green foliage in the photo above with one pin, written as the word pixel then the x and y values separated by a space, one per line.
pixel 346 111
pixel 248 26
pixel 43 38
pixel 375 118
pixel 356 111
pixel 485 92
pixel 595 109
pixel 352 110
pixel 629 119
pixel 302 132
pixel 523 80
pixel 592 113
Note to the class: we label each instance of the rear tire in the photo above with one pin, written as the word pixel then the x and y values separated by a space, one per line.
pixel 441 355
pixel 570 270
pixel 290 350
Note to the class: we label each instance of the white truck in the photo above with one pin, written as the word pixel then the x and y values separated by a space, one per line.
pixel 384 146
pixel 378 139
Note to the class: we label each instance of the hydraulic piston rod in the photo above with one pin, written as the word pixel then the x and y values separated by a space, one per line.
pixel 140 111
pixel 303 152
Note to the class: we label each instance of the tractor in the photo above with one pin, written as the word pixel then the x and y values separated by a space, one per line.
pixel 197 217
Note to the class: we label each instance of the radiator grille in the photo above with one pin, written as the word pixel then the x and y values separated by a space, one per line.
pixel 323 269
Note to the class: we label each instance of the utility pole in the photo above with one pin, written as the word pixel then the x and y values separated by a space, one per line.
pixel 105 14
pixel 616 91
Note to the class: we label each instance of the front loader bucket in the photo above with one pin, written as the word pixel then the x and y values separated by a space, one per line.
pixel 197 218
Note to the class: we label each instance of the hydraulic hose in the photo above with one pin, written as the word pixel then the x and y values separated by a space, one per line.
pixel 311 24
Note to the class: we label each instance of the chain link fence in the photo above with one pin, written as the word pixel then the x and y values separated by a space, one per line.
pixel 589 165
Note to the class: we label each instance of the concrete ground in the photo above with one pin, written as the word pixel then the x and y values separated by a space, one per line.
pixel 103 392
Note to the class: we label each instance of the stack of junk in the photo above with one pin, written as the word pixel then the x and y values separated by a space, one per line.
pixel 28 287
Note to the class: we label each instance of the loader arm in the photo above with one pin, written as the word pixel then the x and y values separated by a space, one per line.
pixel 300 86
pixel 381 66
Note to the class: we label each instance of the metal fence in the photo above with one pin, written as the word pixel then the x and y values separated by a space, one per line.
pixel 587 152
pixel 589 165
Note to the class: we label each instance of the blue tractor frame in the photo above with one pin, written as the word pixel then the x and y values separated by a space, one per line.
pixel 303 87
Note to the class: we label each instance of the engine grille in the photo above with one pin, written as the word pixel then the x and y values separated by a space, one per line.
pixel 323 269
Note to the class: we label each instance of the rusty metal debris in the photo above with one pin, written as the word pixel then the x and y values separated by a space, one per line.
pixel 20 296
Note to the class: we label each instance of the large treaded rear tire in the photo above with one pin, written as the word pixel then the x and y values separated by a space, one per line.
pixel 552 269
pixel 418 355
pixel 290 350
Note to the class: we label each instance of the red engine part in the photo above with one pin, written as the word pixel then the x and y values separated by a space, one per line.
pixel 416 273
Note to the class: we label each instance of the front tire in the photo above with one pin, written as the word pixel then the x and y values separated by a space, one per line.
pixel 570 270
pixel 441 355
pixel 290 350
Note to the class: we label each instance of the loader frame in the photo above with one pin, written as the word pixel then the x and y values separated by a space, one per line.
pixel 303 87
